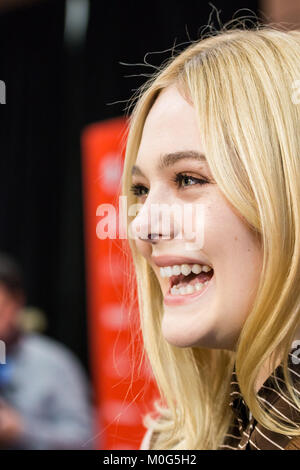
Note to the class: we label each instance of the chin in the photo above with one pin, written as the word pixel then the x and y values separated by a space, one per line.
pixel 178 336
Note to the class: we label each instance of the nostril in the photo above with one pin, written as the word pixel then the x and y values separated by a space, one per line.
pixel 153 236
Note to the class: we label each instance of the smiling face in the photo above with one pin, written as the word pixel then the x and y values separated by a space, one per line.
pixel 213 316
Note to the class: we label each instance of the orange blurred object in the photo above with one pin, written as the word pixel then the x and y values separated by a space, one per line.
pixel 122 393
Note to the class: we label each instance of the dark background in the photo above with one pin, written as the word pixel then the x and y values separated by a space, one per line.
pixel 53 90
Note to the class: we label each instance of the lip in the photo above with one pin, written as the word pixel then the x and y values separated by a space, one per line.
pixel 173 300
pixel 169 260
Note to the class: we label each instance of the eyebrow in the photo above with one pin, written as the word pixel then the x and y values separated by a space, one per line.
pixel 169 159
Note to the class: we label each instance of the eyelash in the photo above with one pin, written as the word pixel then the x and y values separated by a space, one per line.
pixel 178 178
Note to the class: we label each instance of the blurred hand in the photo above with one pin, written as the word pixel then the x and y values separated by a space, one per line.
pixel 11 424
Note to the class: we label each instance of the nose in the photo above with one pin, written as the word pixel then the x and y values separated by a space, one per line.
pixel 151 238
pixel 154 222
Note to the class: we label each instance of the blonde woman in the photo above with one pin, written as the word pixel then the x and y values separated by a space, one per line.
pixel 218 128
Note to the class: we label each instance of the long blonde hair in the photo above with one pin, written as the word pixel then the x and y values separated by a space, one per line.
pixel 241 83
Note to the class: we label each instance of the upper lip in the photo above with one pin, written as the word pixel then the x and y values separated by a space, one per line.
pixel 169 260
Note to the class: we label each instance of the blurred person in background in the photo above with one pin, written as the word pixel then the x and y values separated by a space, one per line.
pixel 45 397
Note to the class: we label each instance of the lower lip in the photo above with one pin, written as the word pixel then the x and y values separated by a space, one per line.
pixel 170 299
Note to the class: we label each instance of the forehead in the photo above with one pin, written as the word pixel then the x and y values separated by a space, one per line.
pixel 168 101
pixel 170 127
pixel 169 159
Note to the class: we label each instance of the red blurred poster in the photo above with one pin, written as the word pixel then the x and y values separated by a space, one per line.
pixel 123 393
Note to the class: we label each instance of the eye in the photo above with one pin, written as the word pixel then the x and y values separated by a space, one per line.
pixel 184 178
pixel 181 179
pixel 137 190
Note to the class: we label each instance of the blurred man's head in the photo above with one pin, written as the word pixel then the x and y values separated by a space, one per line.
pixel 12 296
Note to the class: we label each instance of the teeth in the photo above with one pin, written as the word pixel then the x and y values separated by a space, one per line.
pixel 206 269
pixel 196 269
pixel 176 270
pixel 168 271
pixel 189 289
pixel 185 269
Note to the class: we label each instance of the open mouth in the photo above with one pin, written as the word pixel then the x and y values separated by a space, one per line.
pixel 184 285
pixel 191 278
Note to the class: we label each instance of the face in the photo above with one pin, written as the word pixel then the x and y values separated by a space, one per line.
pixel 213 316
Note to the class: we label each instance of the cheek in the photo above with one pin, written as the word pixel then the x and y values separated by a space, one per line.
pixel 230 244
pixel 143 248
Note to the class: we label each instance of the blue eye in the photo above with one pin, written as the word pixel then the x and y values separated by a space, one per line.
pixel 139 190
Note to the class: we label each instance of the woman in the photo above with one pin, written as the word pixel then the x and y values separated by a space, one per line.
pixel 218 129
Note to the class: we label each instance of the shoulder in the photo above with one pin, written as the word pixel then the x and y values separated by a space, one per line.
pixel 41 349
pixel 276 398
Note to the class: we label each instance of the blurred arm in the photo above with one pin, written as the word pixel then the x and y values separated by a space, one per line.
pixel 65 418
